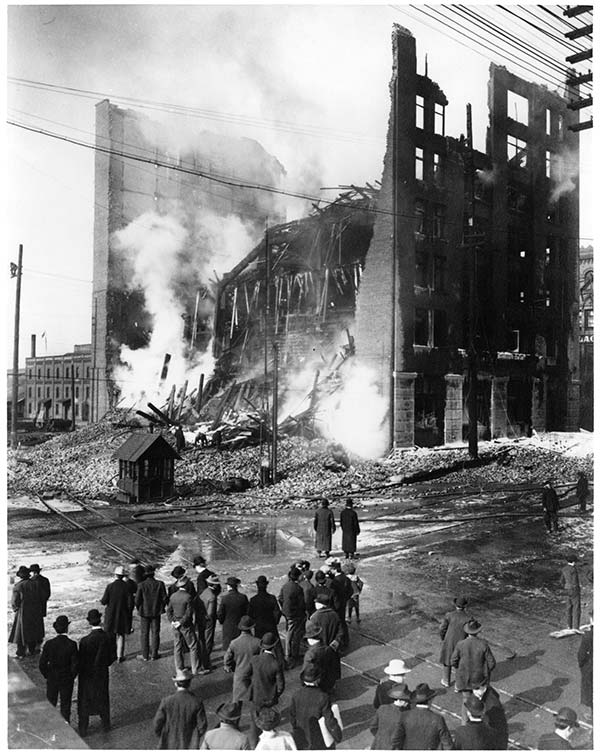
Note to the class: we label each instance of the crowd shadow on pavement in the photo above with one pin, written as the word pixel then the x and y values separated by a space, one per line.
pixel 361 716
pixel 541 695
pixel 507 668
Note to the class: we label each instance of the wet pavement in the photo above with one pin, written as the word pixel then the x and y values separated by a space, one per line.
pixel 417 553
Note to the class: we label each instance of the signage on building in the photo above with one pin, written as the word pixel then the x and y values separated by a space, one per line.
pixel 586 338
pixel 511 356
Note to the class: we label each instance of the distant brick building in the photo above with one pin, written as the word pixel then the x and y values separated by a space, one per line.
pixel 52 383
pixel 586 335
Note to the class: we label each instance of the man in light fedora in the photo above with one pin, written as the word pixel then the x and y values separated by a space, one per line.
pixel 58 665
pixel 387 717
pixel 180 721
pixel 272 738
pixel 395 672
pixel 237 660
pixel 452 630
pixel 97 652
pixel 473 660
pixel 118 600
pixel 421 728
pixel 565 723
pixel 232 607
pixel 228 735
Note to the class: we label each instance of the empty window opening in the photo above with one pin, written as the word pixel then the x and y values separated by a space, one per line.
pixel 421 278
pixel 514 340
pixel 419 163
pixel 438 221
pixel 421 327
pixel 548 163
pixel 517 107
pixel 548 122
pixel 420 216
pixel 516 150
pixel 437 168
pixel 439 119
pixel 420 111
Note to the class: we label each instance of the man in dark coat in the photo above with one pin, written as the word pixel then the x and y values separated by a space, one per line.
pixel 58 665
pixel 264 609
pixel 237 660
pixel 475 734
pixel 202 573
pixel 137 572
pixel 473 660
pixel 569 581
pixel 550 506
pixel 230 611
pixel 451 632
pixel 325 660
pixel 27 630
pixel 342 588
pixel 310 592
pixel 291 599
pixel 395 672
pixel 42 586
pixel 210 597
pixel 325 617
pixel 178 573
pixel 97 652
pixel 118 600
pixel 421 728
pixel 387 717
pixel 565 722
pixel 180 612
pixel 150 601
pixel 307 706
pixel 324 526
pixel 493 713
pixel 267 683
pixel 180 720
pixel 585 660
pixel 350 528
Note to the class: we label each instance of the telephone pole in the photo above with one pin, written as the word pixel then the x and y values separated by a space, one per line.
pixel 15 383
pixel 471 249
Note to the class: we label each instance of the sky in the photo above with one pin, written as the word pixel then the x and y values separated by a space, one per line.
pixel 313 81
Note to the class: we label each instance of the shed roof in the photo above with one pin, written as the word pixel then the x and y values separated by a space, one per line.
pixel 137 444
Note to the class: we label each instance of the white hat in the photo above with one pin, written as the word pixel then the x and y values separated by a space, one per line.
pixel 120 571
pixel 396 667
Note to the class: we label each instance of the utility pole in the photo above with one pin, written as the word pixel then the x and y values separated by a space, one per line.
pixel 573 78
pixel 275 410
pixel 73 396
pixel 266 470
pixel 15 383
pixel 471 249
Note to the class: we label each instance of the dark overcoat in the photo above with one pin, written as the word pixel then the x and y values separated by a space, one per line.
pixel 118 601
pixel 310 592
pixel 474 662
pixel 553 742
pixel 237 658
pixel 59 660
pixel 28 623
pixel 307 705
pixel 585 659
pixel 42 585
pixel 474 736
pixel 384 724
pixel 329 622
pixel 421 729
pixel 232 606
pixel 451 632
pixel 324 526
pixel 381 693
pixel 97 652
pixel 264 610
pixel 350 529
pixel 267 680
pixel 291 599
pixel 327 661
pixel 151 597
pixel 180 721
pixel 495 717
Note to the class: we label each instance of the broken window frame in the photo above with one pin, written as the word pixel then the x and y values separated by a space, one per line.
pixel 439 118
pixel 421 328
pixel 419 111
pixel 438 174
pixel 513 98
pixel 548 163
pixel 419 163
pixel 516 149
pixel 422 269
pixel 420 213
pixel 438 221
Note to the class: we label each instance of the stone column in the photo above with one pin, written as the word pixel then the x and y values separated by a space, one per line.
pixel 573 395
pixel 453 411
pixel 404 409
pixel 539 388
pixel 498 417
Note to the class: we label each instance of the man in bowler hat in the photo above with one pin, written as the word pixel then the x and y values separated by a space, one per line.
pixel 267 682
pixel 475 734
pixel 180 720
pixel 565 724
pixel 421 728
pixel 227 735
pixel 58 665
pixel 387 717
pixel 237 659
pixel 473 660
pixel 150 600
pixel 232 607
pixel 97 652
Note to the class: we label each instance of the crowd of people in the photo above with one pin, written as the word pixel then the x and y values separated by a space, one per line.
pixel 316 607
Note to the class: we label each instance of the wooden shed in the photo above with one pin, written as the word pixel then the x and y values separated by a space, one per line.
pixel 146 468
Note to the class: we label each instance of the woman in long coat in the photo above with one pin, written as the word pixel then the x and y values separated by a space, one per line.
pixel 350 529
pixel 118 601
pixel 27 630
pixel 324 526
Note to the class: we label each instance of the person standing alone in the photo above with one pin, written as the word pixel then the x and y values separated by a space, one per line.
pixel 324 526
pixel 350 529
pixel 118 600
pixel 569 581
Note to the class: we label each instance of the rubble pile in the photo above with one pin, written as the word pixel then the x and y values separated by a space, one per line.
pixel 80 464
